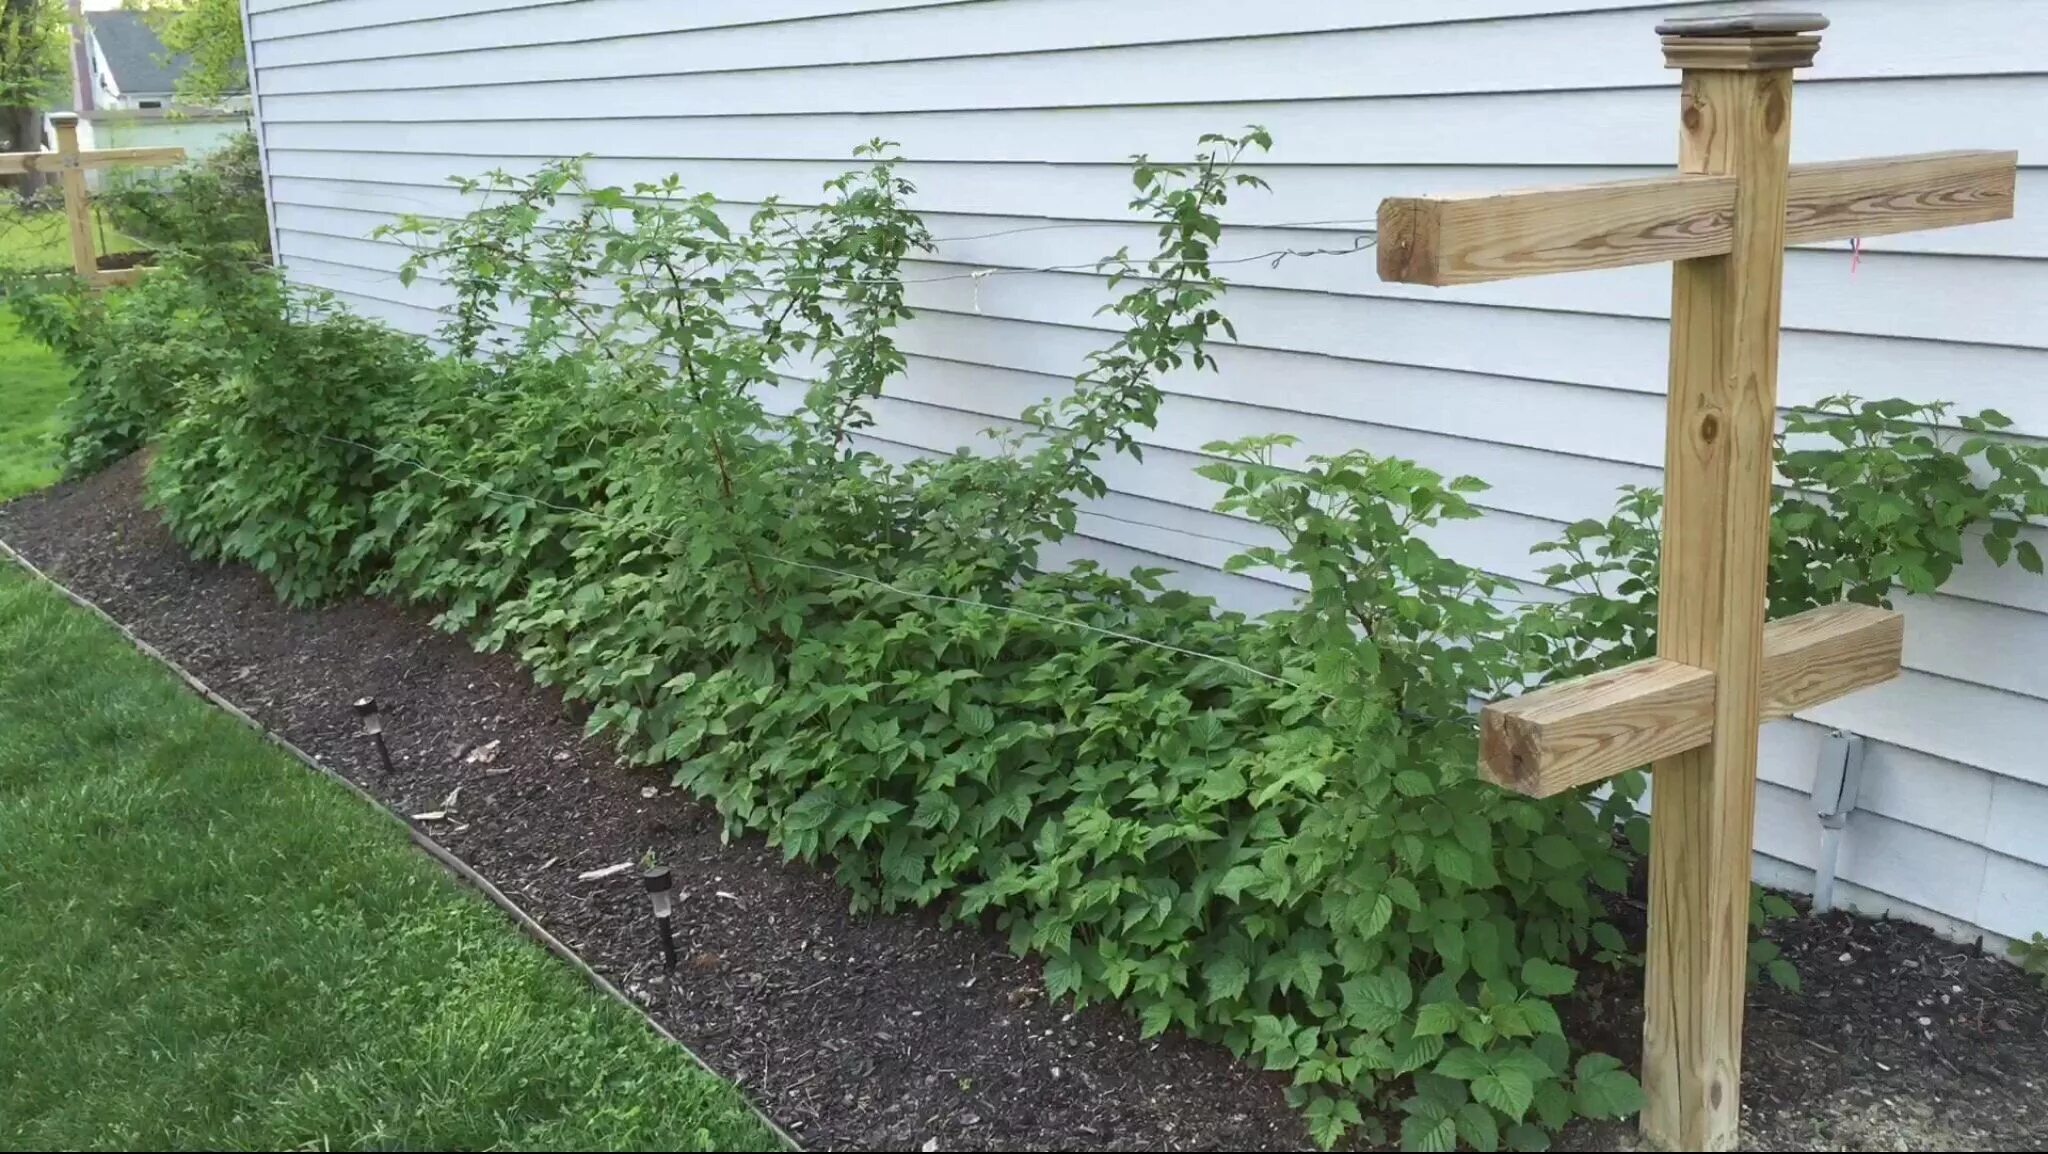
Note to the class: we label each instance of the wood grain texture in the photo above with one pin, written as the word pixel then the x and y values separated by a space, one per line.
pixel 1497 236
pixel 1720 419
pixel 1588 730
pixel 12 163
pixel 1827 653
pixel 1471 239
pixel 1893 194
pixel 77 208
pixel 1739 53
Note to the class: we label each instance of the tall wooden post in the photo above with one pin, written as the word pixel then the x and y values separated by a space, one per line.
pixel 77 205
pixel 1736 118
pixel 1692 711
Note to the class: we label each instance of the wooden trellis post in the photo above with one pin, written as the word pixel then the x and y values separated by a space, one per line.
pixel 70 164
pixel 1692 712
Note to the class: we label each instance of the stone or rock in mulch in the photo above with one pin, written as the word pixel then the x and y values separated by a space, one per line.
pixel 898 1031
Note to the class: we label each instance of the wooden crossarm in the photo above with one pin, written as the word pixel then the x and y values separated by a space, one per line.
pixel 1851 198
pixel 1498 236
pixel 111 277
pixel 1583 731
pixel 1468 239
pixel 13 163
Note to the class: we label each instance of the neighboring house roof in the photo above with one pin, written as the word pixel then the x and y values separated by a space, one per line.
pixel 135 56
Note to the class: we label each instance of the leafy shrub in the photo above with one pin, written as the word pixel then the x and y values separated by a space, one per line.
pixel 559 426
pixel 134 351
pixel 274 461
pixel 2032 956
pixel 1766 960
pixel 131 353
pixel 1877 496
pixel 1251 849
pixel 213 202
pixel 641 468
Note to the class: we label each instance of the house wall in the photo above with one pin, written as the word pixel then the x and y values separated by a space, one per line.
pixel 1019 113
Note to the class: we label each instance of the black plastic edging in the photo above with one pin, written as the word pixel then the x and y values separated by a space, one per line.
pixel 434 849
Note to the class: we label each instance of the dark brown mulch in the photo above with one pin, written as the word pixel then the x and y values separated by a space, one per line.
pixel 895 1031
pixel 1896 1040
pixel 866 1032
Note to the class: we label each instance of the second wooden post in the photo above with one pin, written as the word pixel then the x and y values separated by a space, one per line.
pixel 77 203
pixel 1736 112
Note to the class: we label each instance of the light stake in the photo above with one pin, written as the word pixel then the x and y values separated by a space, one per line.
pixel 659 885
pixel 373 728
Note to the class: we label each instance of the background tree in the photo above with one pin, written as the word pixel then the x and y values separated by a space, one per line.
pixel 34 64
pixel 208 31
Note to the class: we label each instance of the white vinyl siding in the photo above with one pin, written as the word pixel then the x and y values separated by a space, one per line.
pixel 1018 113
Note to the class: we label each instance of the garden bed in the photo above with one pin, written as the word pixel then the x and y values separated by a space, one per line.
pixel 901 1031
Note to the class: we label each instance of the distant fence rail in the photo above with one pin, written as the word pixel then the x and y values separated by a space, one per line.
pixel 72 209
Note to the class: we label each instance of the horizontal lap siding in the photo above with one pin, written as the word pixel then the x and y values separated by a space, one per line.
pixel 628 151
pixel 1014 114
pixel 740 34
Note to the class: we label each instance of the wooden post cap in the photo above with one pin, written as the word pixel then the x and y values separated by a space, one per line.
pixel 63 118
pixel 1753 24
pixel 1759 42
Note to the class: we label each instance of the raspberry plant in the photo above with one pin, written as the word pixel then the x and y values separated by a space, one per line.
pixel 641 464
pixel 1285 850
pixel 131 355
pixel 273 461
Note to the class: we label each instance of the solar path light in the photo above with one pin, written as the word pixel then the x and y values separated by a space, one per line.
pixel 660 886
pixel 373 728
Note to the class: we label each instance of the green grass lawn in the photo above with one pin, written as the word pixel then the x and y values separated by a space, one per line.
pixel 204 945
pixel 33 239
pixel 32 385
pixel 42 239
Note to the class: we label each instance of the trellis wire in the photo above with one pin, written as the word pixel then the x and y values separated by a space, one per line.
pixel 1362 242
pixel 1071 224
pixel 1359 244
pixel 1046 226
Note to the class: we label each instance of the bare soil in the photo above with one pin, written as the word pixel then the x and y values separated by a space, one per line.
pixel 903 1031
pixel 115 261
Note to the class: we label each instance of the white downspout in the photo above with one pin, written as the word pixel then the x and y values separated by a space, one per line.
pixel 1837 779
